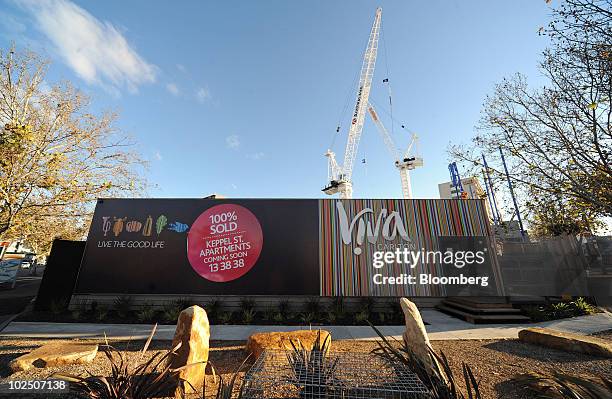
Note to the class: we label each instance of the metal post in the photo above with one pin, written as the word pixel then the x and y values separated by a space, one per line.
pixel 516 208
pixel 492 198
pixel 484 177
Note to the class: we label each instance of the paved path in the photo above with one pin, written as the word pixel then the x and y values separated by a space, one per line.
pixel 441 327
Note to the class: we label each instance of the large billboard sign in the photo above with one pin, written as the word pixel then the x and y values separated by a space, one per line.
pixel 289 247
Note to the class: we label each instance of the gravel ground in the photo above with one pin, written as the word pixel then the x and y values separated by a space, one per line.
pixel 493 361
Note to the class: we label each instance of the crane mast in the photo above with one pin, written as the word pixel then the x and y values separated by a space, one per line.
pixel 403 162
pixel 340 175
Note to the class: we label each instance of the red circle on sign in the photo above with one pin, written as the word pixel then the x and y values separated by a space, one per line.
pixel 224 242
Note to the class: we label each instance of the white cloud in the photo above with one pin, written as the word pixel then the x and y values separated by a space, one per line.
pixel 96 51
pixel 234 186
pixel 232 141
pixel 158 156
pixel 173 89
pixel 180 67
pixel 256 156
pixel 203 94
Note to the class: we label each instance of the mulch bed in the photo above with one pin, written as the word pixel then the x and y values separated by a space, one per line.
pixel 493 361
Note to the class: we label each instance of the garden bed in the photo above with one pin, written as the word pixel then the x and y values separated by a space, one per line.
pixel 493 362
pixel 124 311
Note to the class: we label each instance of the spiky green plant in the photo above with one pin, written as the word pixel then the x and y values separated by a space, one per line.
pixel 146 313
pixel 224 317
pixel 307 317
pixel 362 317
pixel 151 379
pixel 213 307
pixel 312 305
pixel 171 311
pixel 559 385
pixel 247 304
pixel 226 387
pixel 268 314
pixel 313 368
pixel 122 305
pixel 248 315
pixel 438 377
pixel 331 317
pixel 101 313
pixel 184 303
pixel 284 307
pixel 278 317
pixel 336 310
pixel 584 307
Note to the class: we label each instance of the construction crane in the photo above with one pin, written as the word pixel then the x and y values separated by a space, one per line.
pixel 339 176
pixel 404 163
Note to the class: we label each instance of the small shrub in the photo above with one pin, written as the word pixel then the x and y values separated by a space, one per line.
pixel 307 317
pixel 338 305
pixel 278 317
pixel 122 305
pixel 184 303
pixel 284 307
pixel 313 306
pixel 335 313
pixel 330 317
pixel 313 365
pixel 382 317
pixel 560 310
pixel 362 317
pixel 584 307
pixel 146 313
pixel 93 306
pixel 268 314
pixel 213 307
pixel 247 304
pixel 248 315
pixel 224 317
pixel 170 312
pixel 101 313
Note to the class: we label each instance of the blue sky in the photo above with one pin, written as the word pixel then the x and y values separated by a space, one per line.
pixel 243 98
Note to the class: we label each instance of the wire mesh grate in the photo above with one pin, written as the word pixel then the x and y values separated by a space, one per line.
pixel 350 375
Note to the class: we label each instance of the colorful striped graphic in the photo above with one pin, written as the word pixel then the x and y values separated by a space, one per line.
pixel 346 268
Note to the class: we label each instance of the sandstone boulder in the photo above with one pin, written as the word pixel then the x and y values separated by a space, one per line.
pixel 193 331
pixel 55 354
pixel 259 342
pixel 415 334
pixel 566 341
